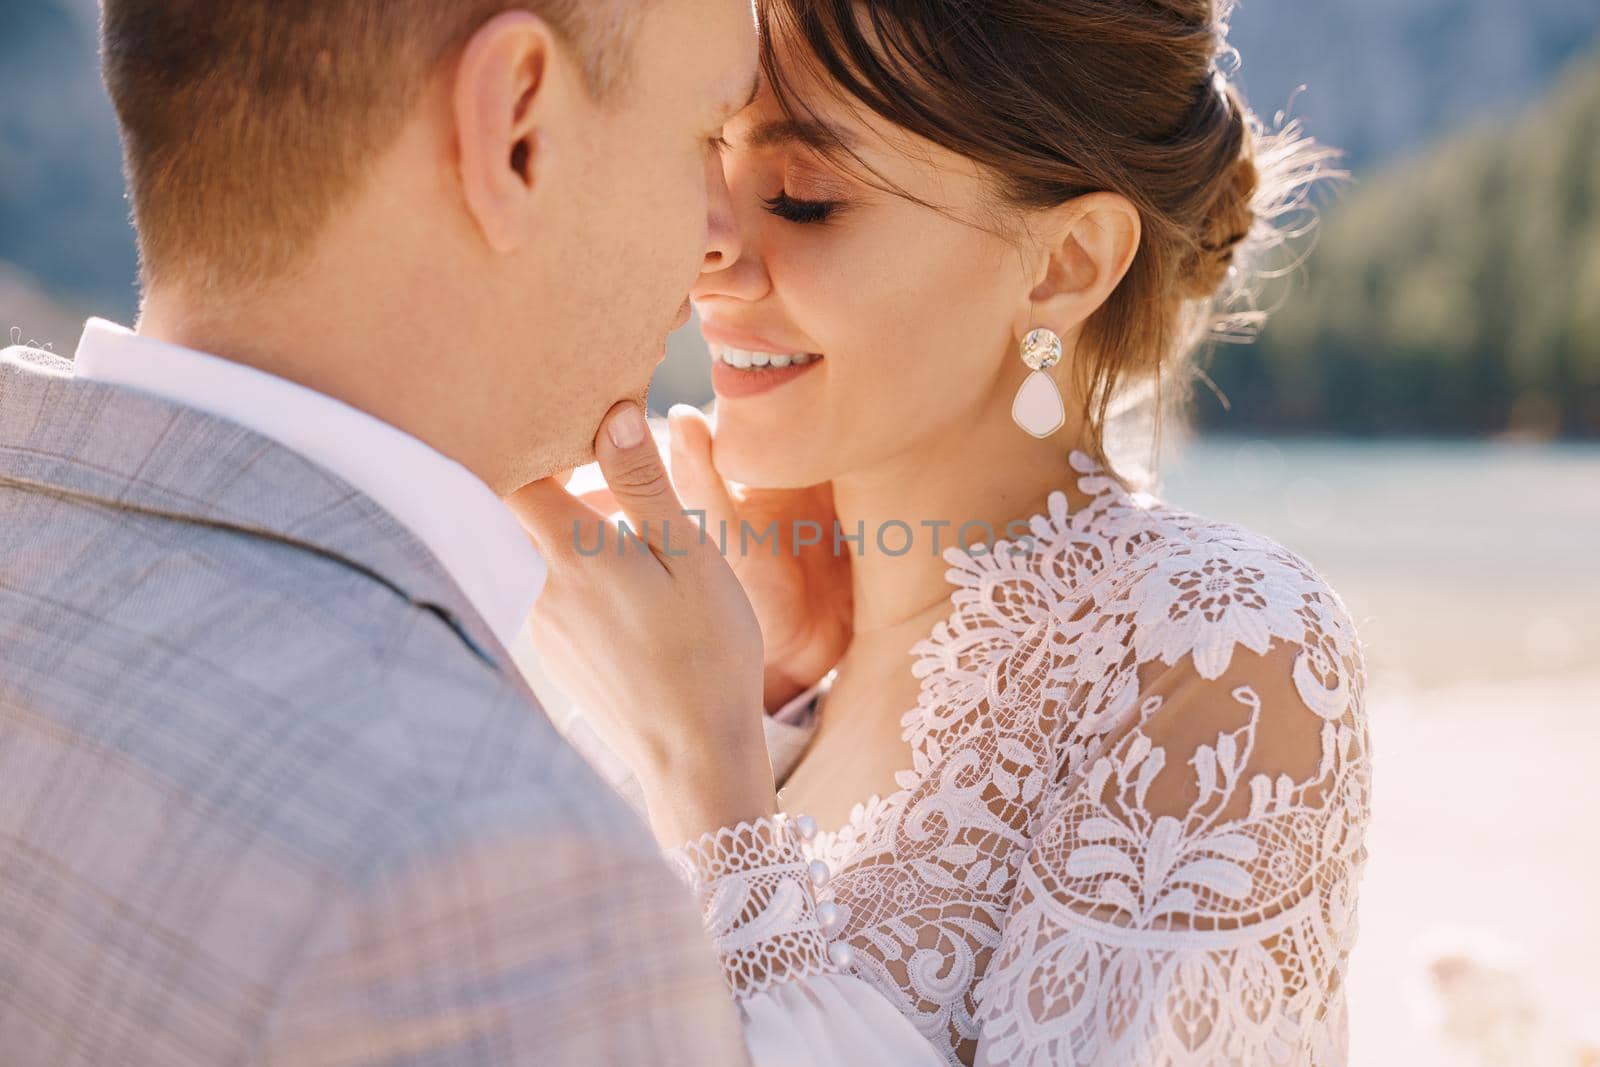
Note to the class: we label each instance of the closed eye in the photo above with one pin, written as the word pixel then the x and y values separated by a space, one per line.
pixel 801 212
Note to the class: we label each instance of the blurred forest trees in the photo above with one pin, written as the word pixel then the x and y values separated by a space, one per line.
pixel 1456 292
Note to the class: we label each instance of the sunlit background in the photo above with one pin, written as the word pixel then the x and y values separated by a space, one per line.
pixel 1420 419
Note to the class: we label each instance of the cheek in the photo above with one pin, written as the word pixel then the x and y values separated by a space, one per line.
pixel 903 306
pixel 654 237
pixel 668 201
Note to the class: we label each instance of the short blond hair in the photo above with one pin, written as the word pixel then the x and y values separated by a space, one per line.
pixel 245 122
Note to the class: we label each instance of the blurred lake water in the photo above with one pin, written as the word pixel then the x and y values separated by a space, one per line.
pixel 1472 570
pixel 1460 561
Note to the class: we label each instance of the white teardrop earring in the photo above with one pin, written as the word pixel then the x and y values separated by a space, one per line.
pixel 1038 408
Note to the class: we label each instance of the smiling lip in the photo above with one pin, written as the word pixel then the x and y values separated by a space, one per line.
pixel 730 381
pixel 717 334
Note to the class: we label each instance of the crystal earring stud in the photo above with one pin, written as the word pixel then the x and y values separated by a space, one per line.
pixel 1038 407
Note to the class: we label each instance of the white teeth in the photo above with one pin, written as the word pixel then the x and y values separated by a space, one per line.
pixel 745 359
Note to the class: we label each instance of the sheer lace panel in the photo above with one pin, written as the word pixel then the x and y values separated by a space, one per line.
pixel 1132 828
pixel 1192 900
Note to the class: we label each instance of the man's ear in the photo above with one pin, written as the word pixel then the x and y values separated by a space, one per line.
pixel 504 83
pixel 1087 246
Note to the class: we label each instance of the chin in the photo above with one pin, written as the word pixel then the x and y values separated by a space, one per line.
pixel 544 460
pixel 760 459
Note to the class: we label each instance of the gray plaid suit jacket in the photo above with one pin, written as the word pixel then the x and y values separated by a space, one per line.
pixel 271 792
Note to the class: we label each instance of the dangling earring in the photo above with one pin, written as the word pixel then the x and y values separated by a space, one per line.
pixel 1038 408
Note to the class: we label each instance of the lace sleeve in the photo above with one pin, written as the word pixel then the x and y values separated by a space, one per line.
pixel 799 1002
pixel 758 897
pixel 1189 898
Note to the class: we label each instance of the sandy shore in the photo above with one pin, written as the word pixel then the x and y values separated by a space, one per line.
pixel 1480 940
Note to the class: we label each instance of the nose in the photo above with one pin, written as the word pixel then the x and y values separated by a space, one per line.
pixel 732 265
pixel 722 223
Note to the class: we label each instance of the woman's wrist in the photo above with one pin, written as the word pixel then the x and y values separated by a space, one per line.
pixel 681 816
pixel 714 787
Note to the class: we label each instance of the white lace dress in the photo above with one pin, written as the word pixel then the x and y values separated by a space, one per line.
pixel 1131 832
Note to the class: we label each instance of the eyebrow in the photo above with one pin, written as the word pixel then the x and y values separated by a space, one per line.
pixel 820 135
pixel 755 91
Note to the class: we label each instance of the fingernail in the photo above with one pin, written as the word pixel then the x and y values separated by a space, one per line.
pixel 627 429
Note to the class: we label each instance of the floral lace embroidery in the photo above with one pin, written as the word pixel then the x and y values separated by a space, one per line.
pixel 1132 831
pixel 757 896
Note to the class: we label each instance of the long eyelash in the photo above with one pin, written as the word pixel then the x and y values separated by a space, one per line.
pixel 721 143
pixel 801 212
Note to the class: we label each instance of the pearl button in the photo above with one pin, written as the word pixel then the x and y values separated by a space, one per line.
pixel 819 873
pixel 840 954
pixel 828 914
pixel 807 826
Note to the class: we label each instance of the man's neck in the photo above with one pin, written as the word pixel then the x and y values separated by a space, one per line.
pixel 353 356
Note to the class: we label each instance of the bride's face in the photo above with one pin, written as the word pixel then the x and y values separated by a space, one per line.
pixel 908 313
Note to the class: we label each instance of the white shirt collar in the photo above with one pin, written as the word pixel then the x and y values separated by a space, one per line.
pixel 450 510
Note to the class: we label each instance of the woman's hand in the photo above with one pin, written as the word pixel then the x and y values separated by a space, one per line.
pixel 801 596
pixel 654 637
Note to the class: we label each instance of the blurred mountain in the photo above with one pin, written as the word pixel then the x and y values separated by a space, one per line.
pixel 63 218
pixel 1457 291
pixel 1384 78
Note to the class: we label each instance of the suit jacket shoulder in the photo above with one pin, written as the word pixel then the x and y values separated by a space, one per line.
pixel 269 781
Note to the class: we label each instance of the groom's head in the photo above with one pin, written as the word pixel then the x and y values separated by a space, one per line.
pixel 526 188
